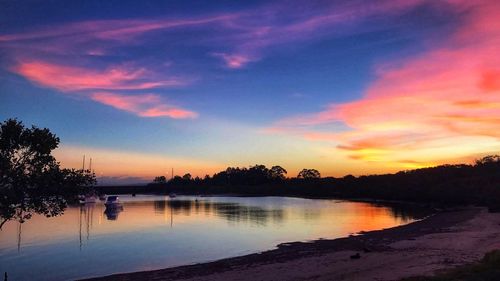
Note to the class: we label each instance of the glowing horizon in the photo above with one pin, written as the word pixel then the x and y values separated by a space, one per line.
pixel 342 87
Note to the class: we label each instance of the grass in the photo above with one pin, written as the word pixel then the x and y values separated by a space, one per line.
pixel 488 269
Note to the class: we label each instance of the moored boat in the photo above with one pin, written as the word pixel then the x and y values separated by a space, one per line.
pixel 112 202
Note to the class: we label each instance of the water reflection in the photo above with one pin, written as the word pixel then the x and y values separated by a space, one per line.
pixel 19 236
pixel 86 221
pixel 154 232
pixel 112 213
pixel 231 212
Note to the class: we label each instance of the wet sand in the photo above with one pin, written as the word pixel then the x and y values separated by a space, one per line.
pixel 444 240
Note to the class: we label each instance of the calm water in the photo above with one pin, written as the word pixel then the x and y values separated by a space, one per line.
pixel 154 232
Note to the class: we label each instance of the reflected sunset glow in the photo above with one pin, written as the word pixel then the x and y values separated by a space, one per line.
pixel 155 231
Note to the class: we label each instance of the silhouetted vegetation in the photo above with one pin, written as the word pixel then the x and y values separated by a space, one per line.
pixel 488 269
pixel 31 180
pixel 478 183
pixel 309 174
pixel 160 179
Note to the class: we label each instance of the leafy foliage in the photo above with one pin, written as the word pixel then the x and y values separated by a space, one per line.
pixel 309 174
pixel 31 180
pixel 160 179
pixel 255 175
pixel 277 173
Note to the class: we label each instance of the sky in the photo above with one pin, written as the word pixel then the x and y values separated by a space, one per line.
pixel 345 87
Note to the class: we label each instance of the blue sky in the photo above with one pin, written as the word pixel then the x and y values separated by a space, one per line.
pixel 204 85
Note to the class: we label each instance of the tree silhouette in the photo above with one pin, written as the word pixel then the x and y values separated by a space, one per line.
pixel 31 180
pixel 160 180
pixel 309 174
pixel 187 177
pixel 277 173
pixel 490 160
pixel 258 174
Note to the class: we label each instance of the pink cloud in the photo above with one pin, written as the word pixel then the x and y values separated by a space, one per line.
pixel 144 105
pixel 234 61
pixel 70 78
pixel 81 80
pixel 450 92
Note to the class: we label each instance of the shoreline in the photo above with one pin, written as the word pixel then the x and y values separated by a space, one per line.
pixel 399 246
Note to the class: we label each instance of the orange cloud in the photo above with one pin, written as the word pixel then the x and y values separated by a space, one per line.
pixel 447 96
pixel 144 105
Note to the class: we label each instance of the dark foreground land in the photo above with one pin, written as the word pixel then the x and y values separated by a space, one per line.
pixel 442 241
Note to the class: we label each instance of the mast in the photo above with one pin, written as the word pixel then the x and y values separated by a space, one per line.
pixel 172 173
pixel 83 164
pixel 90 166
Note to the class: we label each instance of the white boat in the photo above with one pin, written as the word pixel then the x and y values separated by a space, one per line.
pixel 113 207
pixel 112 202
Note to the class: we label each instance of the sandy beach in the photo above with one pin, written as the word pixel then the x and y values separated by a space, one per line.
pixel 441 241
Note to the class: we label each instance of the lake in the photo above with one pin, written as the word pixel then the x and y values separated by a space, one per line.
pixel 153 232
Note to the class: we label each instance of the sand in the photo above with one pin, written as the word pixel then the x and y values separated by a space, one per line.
pixel 445 240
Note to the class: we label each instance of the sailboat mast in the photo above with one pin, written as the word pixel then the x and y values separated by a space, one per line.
pixel 172 173
pixel 83 164
pixel 90 165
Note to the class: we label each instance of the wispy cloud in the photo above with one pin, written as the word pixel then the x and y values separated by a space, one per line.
pixel 144 105
pixel 70 78
pixel 447 96
pixel 275 26
pixel 119 30
pixel 234 61
pixel 237 38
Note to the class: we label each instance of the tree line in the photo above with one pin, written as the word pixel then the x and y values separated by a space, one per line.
pixel 477 183
pixel 254 175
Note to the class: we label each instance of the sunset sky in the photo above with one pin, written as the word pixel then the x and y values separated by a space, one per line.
pixel 346 87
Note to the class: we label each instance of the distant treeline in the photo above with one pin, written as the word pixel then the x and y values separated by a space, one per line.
pixel 478 183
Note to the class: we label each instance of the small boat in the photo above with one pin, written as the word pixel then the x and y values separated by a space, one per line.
pixel 113 207
pixel 112 202
pixel 172 195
